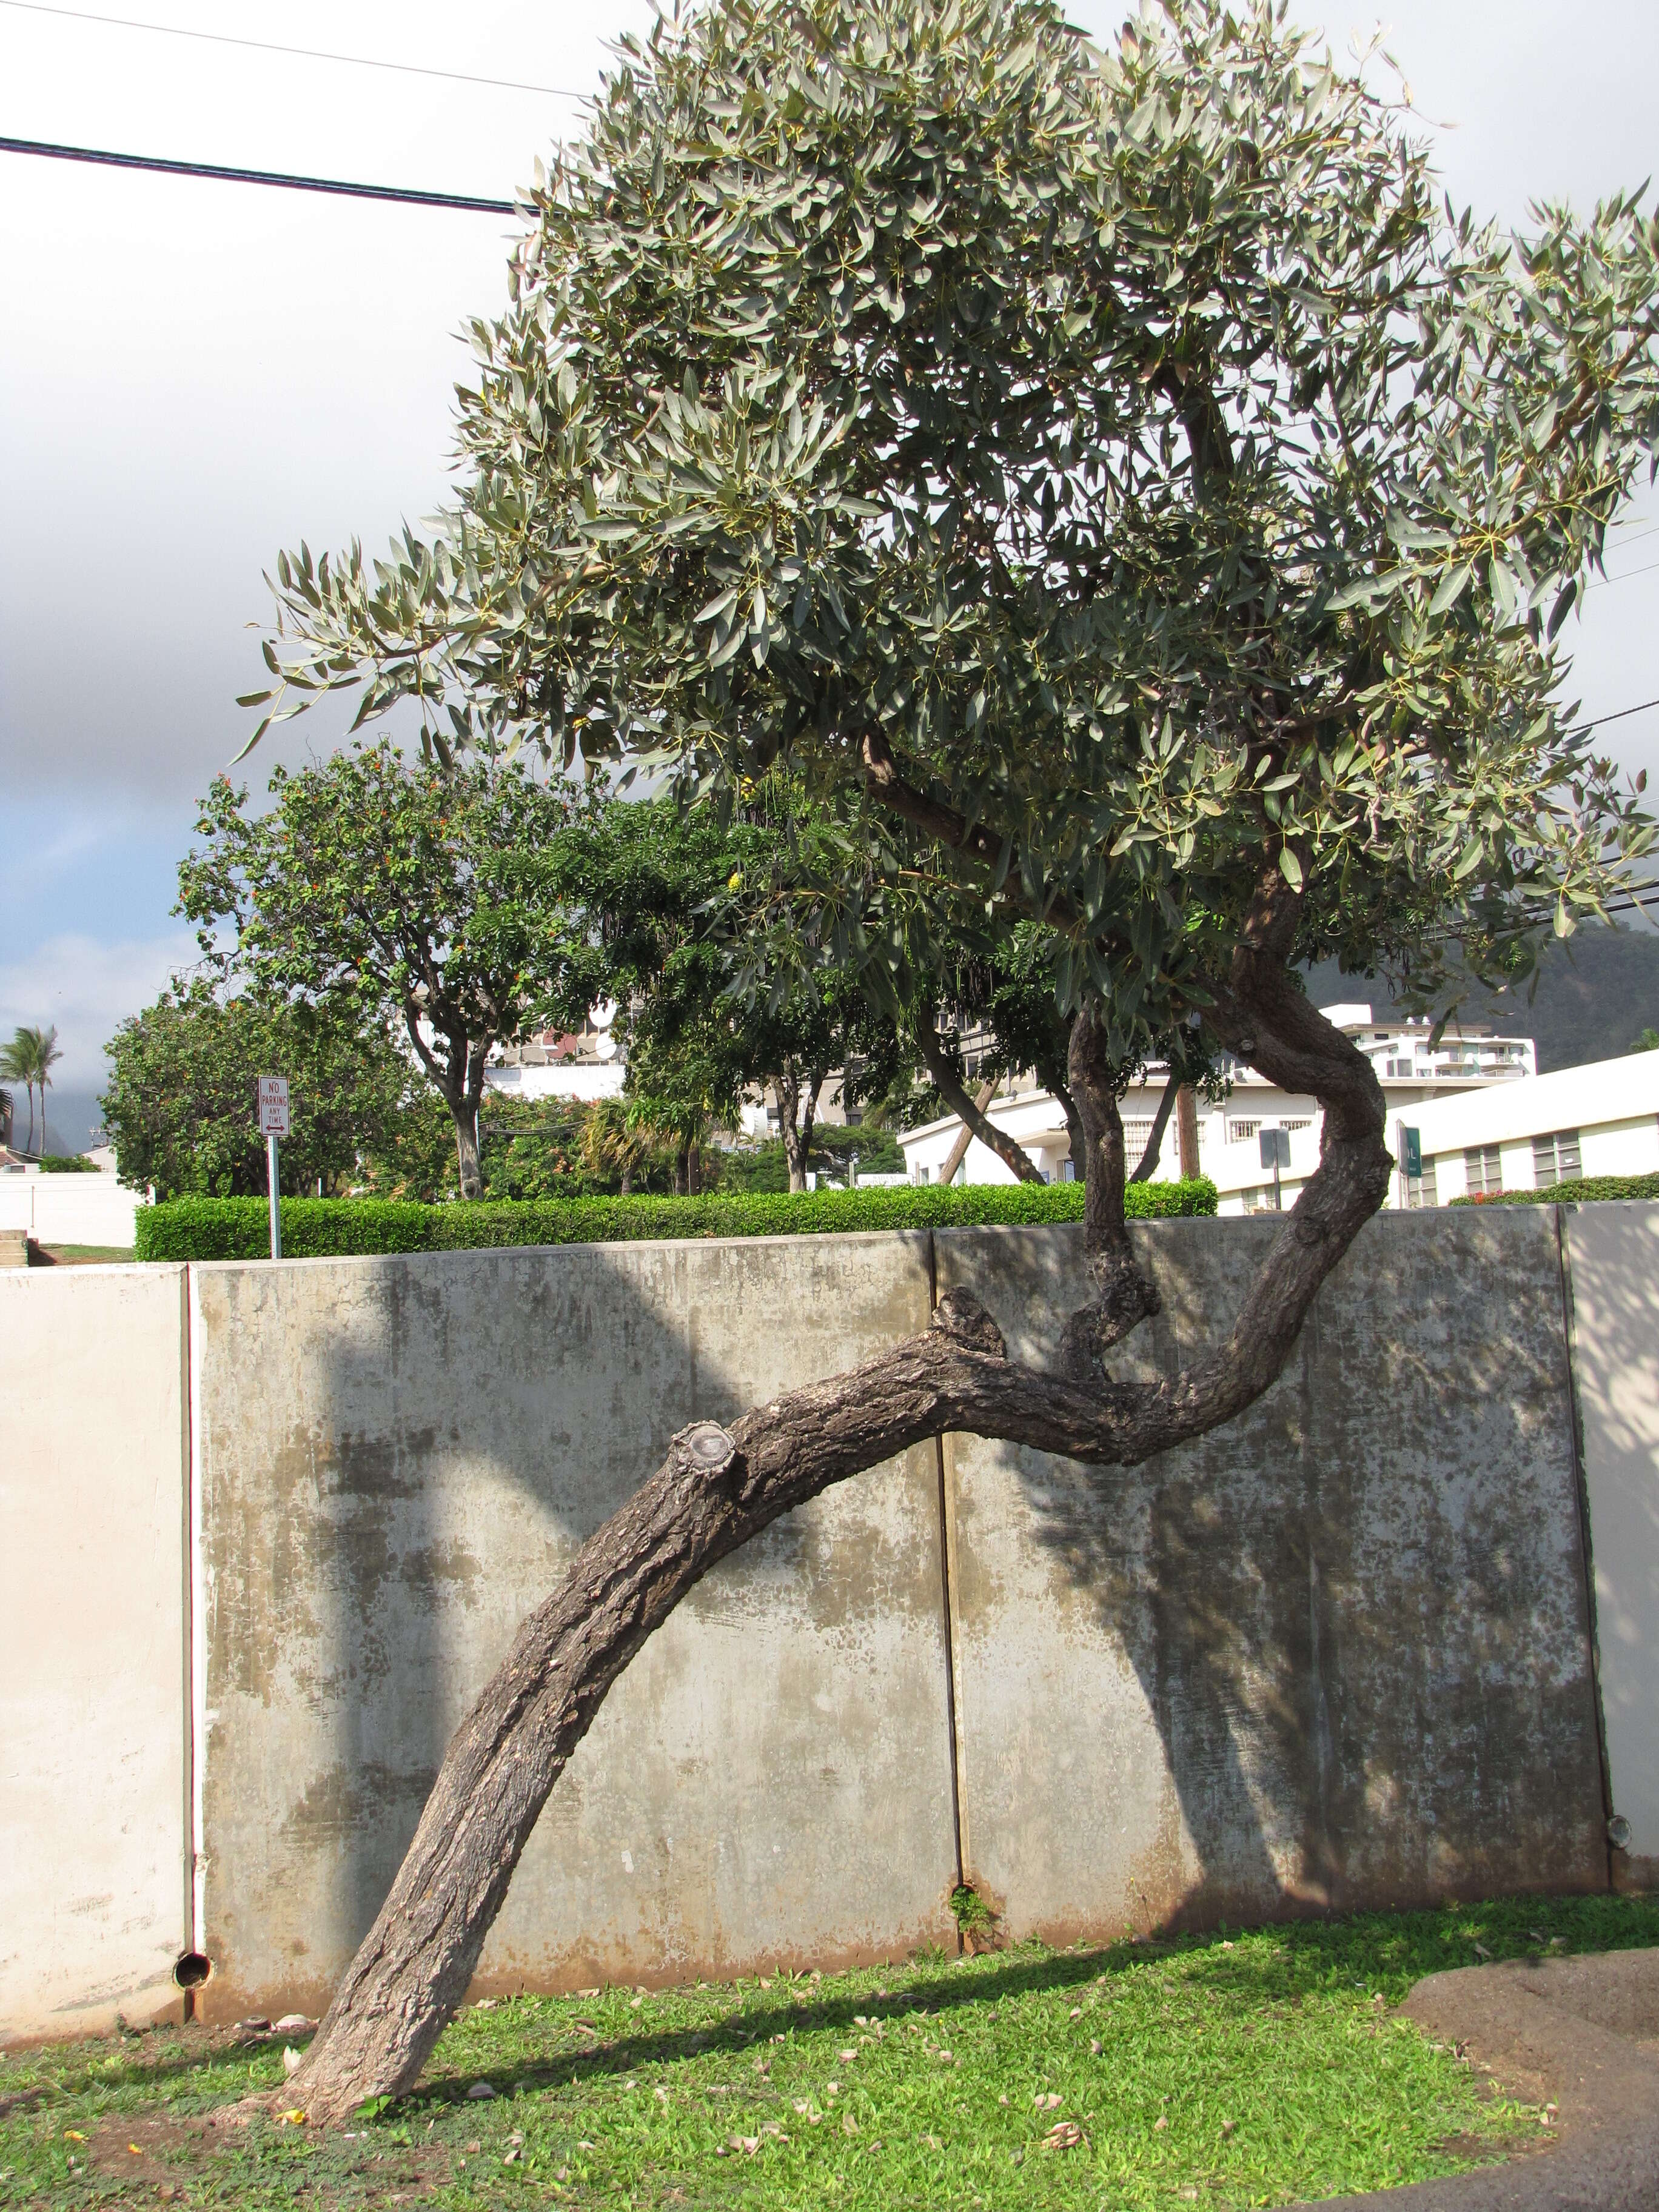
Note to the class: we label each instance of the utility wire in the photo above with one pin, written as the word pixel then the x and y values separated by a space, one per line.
pixel 306 53
pixel 218 175
pixel 1620 716
pixel 1623 575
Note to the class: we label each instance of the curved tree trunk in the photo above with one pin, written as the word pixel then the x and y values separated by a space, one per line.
pixel 718 1488
pixel 1148 1165
pixel 972 1116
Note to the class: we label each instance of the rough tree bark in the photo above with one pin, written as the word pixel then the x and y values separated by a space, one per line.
pixel 956 1096
pixel 718 1488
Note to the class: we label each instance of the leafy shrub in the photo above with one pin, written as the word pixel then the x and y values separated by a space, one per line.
pixel 1570 1194
pixel 65 1163
pixel 239 1228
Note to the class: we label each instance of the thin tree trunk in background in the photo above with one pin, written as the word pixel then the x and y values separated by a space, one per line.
pixel 466 1118
pixel 794 1151
pixel 974 1120
pixel 1149 1157
pixel 1187 1111
pixel 958 1151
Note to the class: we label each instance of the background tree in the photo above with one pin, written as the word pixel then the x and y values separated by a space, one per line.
pixel 1127 501
pixel 180 1105
pixel 401 885
pixel 29 1059
pixel 664 904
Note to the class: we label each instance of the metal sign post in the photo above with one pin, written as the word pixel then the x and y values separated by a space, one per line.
pixel 273 1124
pixel 1275 1154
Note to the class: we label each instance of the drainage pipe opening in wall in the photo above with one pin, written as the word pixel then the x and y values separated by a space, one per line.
pixel 191 1968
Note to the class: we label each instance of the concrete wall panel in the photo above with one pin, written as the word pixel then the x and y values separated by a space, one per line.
pixel 93 1885
pixel 1614 1256
pixel 397 1457
pixel 1334 1656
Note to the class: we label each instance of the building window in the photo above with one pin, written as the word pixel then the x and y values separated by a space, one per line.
pixel 1555 1160
pixel 1399 1067
pixel 1483 1168
pixel 1068 1171
pixel 1420 1190
pixel 1306 1123
pixel 1240 1133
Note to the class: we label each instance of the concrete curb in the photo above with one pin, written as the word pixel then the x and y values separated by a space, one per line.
pixel 1582 2034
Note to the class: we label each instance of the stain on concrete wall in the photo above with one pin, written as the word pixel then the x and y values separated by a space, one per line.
pixel 93 1875
pixel 1334 1656
pixel 1614 1253
pixel 399 1457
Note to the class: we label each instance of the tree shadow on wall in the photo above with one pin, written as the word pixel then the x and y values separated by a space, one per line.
pixel 1356 1614
pixel 445 1446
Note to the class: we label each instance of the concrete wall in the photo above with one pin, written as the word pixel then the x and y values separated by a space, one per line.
pixel 1333 1656
pixel 1614 1256
pixel 70 1209
pixel 398 1458
pixel 1338 1654
pixel 92 1734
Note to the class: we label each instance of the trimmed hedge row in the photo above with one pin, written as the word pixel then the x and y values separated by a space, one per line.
pixel 1587 1188
pixel 239 1228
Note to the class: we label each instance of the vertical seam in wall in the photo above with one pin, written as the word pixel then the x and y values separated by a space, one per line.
pixel 198 1726
pixel 947 1593
pixel 187 1569
pixel 1581 1499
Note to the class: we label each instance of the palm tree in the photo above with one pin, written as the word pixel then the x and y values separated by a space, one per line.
pixel 45 1053
pixel 17 1066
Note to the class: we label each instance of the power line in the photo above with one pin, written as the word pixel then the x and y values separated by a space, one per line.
pixel 1623 575
pixel 305 54
pixel 218 175
pixel 1620 716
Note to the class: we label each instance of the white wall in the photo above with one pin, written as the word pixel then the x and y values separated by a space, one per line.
pixel 1613 1104
pixel 1614 1256
pixel 70 1209
pixel 93 1728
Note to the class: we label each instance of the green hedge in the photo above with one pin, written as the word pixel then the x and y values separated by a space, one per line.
pixel 239 1228
pixel 1570 1193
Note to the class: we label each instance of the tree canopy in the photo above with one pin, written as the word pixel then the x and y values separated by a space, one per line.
pixel 1128 501
pixel 1118 468
pixel 180 1103
pixel 404 888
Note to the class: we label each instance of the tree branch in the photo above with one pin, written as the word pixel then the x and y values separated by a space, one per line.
pixel 1149 1157
pixel 972 1117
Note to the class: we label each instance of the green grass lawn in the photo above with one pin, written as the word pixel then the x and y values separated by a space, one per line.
pixel 1252 2069
pixel 80 1255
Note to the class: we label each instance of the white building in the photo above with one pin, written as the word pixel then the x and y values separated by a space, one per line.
pixel 585 1064
pixel 1602 1119
pixel 1410 1071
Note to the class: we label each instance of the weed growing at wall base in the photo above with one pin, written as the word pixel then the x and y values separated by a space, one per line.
pixel 1258 2069
pixel 239 1228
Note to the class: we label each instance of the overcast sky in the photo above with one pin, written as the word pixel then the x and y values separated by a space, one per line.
pixel 192 375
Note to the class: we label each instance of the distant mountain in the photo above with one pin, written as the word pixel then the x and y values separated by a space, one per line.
pixel 1597 991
